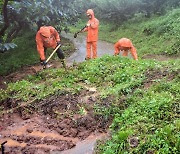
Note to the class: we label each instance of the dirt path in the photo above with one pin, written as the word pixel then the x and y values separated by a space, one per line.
pixel 103 48
pixel 80 44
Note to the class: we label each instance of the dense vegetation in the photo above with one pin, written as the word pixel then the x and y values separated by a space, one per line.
pixel 120 11
pixel 17 16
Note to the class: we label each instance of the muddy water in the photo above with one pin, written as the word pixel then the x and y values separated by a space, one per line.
pixel 84 147
pixel 54 125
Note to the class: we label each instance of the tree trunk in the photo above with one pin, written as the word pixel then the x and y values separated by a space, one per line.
pixel 13 34
pixel 6 21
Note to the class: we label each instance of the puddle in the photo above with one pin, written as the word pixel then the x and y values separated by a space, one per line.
pixel 85 147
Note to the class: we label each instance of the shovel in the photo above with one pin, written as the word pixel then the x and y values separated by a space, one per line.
pixel 2 147
pixel 63 62
pixel 75 35
pixel 52 53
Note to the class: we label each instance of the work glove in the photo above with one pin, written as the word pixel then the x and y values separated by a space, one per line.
pixel 58 43
pixel 43 63
pixel 88 25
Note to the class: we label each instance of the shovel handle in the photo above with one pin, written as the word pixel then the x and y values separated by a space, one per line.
pixel 53 53
pixel 75 35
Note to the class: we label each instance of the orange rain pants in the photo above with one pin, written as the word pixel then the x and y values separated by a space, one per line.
pixel 92 36
pixel 46 37
pixel 125 45
pixel 92 45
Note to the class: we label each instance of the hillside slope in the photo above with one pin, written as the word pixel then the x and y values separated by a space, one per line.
pixel 141 96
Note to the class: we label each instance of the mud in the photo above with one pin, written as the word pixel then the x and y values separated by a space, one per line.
pixel 152 76
pixel 24 72
pixel 160 57
pixel 56 124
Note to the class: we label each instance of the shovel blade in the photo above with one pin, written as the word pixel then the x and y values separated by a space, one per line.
pixel 75 35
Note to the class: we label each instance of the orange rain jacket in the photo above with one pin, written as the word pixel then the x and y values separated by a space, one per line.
pixel 126 43
pixel 46 37
pixel 92 30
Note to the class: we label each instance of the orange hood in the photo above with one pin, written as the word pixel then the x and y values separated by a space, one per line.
pixel 45 31
pixel 125 42
pixel 91 12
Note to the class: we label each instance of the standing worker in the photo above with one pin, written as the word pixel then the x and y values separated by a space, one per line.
pixel 48 37
pixel 125 45
pixel 92 34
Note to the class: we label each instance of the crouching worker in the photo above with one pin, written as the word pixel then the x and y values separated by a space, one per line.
pixel 125 45
pixel 48 37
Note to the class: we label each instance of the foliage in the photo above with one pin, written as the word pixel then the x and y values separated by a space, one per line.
pixel 22 55
pixel 152 117
pixel 31 14
pixel 7 46
pixel 48 12
pixel 120 79
pixel 112 75
pixel 120 11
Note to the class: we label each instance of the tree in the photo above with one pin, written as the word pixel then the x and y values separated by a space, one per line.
pixel 4 10
pixel 31 14
pixel 119 11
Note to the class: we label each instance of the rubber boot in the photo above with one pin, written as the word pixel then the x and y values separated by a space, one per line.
pixel 64 64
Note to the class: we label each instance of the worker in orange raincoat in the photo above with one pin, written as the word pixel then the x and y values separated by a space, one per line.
pixel 48 37
pixel 92 34
pixel 125 45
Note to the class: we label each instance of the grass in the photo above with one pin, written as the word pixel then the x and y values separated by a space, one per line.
pixel 152 117
pixel 157 35
pixel 111 75
pixel 151 114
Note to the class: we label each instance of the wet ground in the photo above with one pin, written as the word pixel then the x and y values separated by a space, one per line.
pixel 77 56
pixel 61 124
pixel 80 44
pixel 54 125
